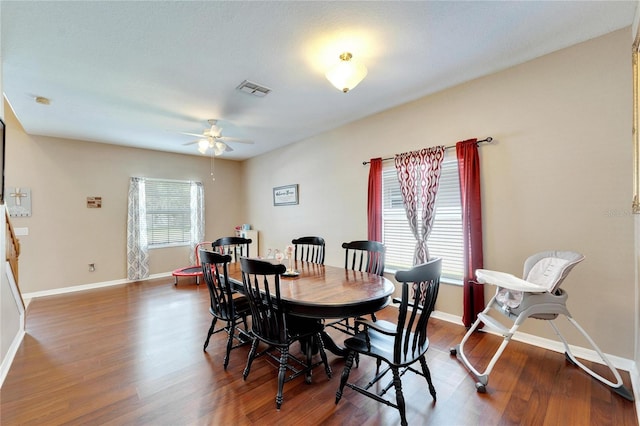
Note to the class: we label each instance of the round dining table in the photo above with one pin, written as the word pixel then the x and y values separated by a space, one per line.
pixel 325 292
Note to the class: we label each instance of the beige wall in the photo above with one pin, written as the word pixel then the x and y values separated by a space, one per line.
pixel 558 177
pixel 65 236
pixel 9 315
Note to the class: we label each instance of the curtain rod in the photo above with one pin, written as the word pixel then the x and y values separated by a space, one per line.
pixel 487 140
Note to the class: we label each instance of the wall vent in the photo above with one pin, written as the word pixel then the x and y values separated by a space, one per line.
pixel 253 89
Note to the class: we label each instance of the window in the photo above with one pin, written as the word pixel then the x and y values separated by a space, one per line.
pixel 168 206
pixel 445 241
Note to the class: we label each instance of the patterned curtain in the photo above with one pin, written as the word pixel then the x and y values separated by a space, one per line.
pixel 374 201
pixel 137 249
pixel 419 176
pixel 197 219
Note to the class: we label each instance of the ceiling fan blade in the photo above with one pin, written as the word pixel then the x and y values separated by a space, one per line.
pixel 190 143
pixel 199 135
pixel 228 139
pixel 227 148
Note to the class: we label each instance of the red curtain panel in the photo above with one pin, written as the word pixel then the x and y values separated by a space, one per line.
pixel 469 170
pixel 374 201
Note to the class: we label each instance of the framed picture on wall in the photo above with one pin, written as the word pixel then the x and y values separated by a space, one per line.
pixel 2 161
pixel 285 195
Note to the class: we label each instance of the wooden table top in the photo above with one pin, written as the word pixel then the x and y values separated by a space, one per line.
pixel 322 291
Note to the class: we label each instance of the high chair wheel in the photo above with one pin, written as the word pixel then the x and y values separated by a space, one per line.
pixel 480 388
pixel 453 351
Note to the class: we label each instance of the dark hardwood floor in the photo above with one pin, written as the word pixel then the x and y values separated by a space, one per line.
pixel 132 355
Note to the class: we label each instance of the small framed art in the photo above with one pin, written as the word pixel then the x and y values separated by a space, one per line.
pixel 285 195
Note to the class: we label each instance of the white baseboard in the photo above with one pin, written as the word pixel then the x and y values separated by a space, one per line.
pixel 635 384
pixel 11 353
pixel 89 286
pixel 447 317
pixel 552 345
pixel 7 360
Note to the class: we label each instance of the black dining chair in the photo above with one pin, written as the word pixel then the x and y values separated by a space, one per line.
pixel 309 249
pixel 236 247
pixel 361 256
pixel 271 325
pixel 225 305
pixel 364 256
pixel 398 345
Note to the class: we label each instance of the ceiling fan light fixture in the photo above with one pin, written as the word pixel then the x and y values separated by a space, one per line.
pixel 214 130
pixel 203 145
pixel 219 148
pixel 346 74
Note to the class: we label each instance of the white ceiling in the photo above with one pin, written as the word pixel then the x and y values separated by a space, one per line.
pixel 139 73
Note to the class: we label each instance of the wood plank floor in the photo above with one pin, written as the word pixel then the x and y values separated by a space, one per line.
pixel 132 355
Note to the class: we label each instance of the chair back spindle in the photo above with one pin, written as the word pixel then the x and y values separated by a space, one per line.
pixel 236 247
pixel 309 249
pixel 420 287
pixel 216 276
pixel 364 256
pixel 223 305
pixel 261 281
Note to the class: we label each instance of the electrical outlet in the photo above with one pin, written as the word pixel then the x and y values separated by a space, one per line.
pixel 92 267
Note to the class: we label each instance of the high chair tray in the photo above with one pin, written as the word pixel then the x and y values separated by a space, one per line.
pixel 508 281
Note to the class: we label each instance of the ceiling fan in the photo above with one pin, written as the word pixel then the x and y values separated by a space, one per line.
pixel 212 138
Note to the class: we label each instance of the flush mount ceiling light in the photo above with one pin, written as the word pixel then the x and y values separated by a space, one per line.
pixel 346 74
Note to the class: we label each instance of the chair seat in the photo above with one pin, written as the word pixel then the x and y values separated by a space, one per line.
pixel 382 345
pixel 241 306
pixel 300 326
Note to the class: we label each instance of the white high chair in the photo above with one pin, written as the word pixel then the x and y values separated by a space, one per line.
pixel 538 296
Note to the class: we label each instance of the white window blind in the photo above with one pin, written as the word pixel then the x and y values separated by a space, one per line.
pixel 446 239
pixel 168 212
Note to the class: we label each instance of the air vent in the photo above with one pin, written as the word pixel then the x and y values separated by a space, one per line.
pixel 42 100
pixel 253 89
